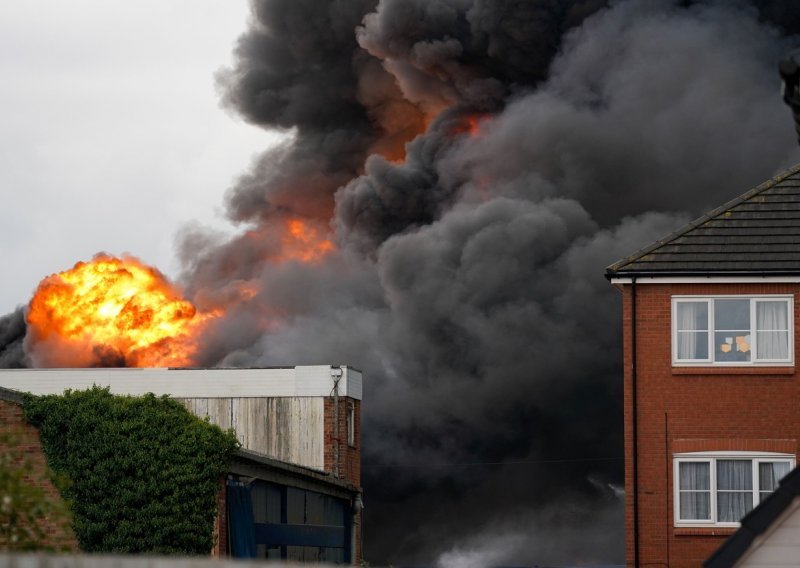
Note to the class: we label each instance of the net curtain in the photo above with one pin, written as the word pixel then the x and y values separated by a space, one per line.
pixel 695 490
pixel 773 330
pixel 734 489
pixel 692 322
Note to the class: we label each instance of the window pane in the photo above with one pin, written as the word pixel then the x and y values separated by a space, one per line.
pixel 695 505
pixel 772 316
pixel 735 474
pixel 692 345
pixel 770 473
pixel 692 316
pixel 694 481
pixel 694 475
pixel 773 344
pixel 731 314
pixel 732 345
pixel 732 506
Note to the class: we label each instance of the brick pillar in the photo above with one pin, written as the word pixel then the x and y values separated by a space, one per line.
pixel 22 442
pixel 349 453
pixel 220 549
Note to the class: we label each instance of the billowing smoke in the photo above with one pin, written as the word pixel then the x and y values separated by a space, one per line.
pixel 12 336
pixel 480 163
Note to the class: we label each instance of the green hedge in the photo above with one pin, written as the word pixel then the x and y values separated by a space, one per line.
pixel 143 471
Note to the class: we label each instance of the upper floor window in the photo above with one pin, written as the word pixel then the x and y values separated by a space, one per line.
pixel 732 330
pixel 721 488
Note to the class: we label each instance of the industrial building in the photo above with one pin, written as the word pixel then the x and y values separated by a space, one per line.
pixel 293 489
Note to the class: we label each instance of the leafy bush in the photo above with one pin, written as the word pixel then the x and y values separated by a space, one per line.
pixel 144 472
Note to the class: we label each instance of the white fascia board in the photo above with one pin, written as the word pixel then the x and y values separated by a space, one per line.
pixel 708 280
pixel 316 380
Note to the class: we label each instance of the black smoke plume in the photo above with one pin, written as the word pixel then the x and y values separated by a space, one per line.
pixel 480 163
pixel 12 336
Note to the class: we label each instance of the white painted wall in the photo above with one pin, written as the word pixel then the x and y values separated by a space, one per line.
pixel 780 545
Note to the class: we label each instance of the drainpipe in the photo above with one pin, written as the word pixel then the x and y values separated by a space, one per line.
pixel 358 506
pixel 635 425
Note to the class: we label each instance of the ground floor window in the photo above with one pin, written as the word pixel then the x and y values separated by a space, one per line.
pixel 280 522
pixel 721 488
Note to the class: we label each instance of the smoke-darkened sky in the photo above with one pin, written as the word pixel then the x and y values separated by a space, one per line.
pixel 480 162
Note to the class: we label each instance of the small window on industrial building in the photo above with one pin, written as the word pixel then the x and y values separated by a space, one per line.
pixel 719 489
pixel 732 330
pixel 351 424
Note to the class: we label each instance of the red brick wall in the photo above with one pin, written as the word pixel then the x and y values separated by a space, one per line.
pixel 220 549
pixel 24 439
pixel 349 456
pixel 694 409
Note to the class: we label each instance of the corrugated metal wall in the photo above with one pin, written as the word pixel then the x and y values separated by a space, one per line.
pixel 289 429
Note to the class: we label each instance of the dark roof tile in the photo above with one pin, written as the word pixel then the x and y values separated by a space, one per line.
pixel 756 233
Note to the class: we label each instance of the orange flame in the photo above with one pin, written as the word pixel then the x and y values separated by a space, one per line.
pixel 304 242
pixel 113 311
pixel 470 125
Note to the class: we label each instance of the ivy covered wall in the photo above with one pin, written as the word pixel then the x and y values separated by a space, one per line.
pixel 142 472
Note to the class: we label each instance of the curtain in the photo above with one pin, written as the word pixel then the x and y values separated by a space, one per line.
pixel 695 490
pixel 734 489
pixel 692 328
pixel 769 474
pixel 772 330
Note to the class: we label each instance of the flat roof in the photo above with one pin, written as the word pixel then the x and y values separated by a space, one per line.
pixel 299 381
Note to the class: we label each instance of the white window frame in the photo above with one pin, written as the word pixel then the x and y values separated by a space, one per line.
pixel 711 458
pixel 754 299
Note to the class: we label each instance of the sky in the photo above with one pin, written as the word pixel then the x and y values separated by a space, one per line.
pixel 111 133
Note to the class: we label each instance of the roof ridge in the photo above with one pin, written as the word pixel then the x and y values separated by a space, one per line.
pixel 713 214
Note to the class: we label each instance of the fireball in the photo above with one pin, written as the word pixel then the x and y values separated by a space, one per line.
pixel 112 312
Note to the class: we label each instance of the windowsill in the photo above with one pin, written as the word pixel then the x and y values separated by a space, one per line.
pixel 704 531
pixel 734 370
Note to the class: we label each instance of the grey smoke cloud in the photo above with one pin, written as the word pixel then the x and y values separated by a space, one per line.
pixel 480 313
pixel 543 537
pixel 12 336
pixel 465 52
pixel 295 65
pixel 297 68
pixel 468 284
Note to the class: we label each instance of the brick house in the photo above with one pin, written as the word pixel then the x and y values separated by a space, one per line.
pixel 711 391
pixel 293 490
